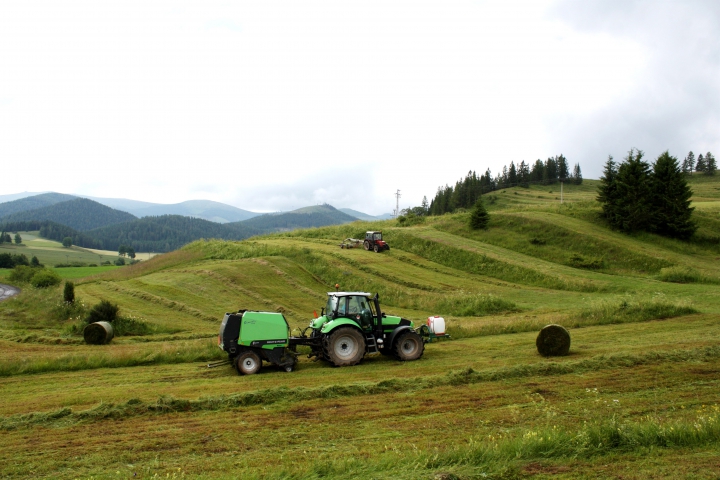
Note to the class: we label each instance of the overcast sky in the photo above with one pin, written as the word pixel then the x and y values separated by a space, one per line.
pixel 275 105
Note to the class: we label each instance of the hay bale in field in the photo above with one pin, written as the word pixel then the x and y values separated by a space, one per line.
pixel 553 341
pixel 98 333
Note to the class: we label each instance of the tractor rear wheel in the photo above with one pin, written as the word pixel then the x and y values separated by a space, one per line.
pixel 409 346
pixel 345 347
pixel 248 363
pixel 366 244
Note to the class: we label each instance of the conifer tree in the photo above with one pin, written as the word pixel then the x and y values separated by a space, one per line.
pixel 479 217
pixel 607 192
pixel 671 199
pixel 633 210
pixel 562 168
pixel 700 165
pixel 689 163
pixel 577 175
pixel 710 165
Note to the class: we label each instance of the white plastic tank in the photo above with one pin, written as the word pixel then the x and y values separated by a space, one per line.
pixel 436 325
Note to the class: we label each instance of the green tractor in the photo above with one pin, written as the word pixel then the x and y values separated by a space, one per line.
pixel 351 325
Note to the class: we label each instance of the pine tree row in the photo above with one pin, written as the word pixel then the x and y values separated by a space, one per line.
pixel 637 197
pixel 705 165
pixel 466 192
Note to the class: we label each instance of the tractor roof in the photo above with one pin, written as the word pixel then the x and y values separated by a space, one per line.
pixel 347 294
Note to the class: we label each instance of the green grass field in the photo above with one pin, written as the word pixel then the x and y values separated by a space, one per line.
pixel 637 397
pixel 51 253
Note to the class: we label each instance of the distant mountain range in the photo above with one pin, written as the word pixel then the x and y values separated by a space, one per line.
pixel 92 224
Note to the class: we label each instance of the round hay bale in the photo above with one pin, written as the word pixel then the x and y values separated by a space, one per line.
pixel 98 333
pixel 553 341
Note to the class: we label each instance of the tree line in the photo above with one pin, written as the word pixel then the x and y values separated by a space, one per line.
pixel 636 196
pixel 468 190
pixel 705 165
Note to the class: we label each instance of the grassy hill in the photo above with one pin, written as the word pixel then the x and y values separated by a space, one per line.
pixel 636 397
pixel 79 214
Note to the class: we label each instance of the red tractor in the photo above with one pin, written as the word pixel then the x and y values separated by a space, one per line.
pixel 373 241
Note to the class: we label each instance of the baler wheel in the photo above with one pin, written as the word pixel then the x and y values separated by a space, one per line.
pixel 409 346
pixel 248 363
pixel 366 244
pixel 345 347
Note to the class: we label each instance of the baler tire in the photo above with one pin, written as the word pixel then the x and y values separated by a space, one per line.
pixel 345 347
pixel 409 346
pixel 248 363
pixel 366 244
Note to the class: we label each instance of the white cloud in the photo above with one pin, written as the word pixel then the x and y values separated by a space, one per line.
pixel 274 105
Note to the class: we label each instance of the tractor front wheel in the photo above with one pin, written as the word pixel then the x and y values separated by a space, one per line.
pixel 345 347
pixel 248 363
pixel 376 248
pixel 366 244
pixel 409 346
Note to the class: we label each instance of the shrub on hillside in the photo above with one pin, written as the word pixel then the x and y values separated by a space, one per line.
pixel 69 292
pixel 45 278
pixel 102 312
pixel 578 261
pixel 22 274
pixel 475 305
pixel 410 219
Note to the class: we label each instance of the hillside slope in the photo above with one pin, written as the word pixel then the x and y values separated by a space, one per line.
pixel 636 397
pixel 79 213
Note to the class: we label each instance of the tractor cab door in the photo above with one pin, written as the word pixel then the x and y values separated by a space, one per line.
pixel 358 309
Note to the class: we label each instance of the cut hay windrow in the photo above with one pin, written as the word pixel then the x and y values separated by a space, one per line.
pixel 169 404
pixel 503 457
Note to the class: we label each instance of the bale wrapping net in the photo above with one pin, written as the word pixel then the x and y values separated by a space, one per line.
pixel 98 333
pixel 553 341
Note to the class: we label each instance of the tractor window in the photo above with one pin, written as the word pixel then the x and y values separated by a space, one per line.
pixel 342 307
pixel 331 306
pixel 377 236
pixel 354 305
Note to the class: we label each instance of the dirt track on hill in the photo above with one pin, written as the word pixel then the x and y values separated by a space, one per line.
pixel 7 291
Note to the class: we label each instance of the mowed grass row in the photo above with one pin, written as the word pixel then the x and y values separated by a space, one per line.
pixel 497 356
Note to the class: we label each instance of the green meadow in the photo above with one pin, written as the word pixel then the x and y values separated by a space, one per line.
pixel 637 396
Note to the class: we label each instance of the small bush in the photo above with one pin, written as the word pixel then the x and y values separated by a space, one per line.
pixel 537 241
pixel 102 312
pixel 410 219
pixel 69 292
pixel 45 278
pixel 22 274
pixel 106 262
pixel 120 262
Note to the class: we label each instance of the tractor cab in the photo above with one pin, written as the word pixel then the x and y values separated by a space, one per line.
pixel 357 306
pixel 374 236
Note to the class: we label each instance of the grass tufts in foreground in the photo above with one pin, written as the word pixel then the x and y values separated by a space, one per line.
pixel 502 455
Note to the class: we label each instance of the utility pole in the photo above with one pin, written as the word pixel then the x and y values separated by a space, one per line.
pixel 397 203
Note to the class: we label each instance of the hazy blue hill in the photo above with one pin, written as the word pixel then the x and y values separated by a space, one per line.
pixel 165 233
pixel 79 213
pixel 365 216
pixel 205 209
pixel 306 217
pixel 32 202
pixel 17 196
